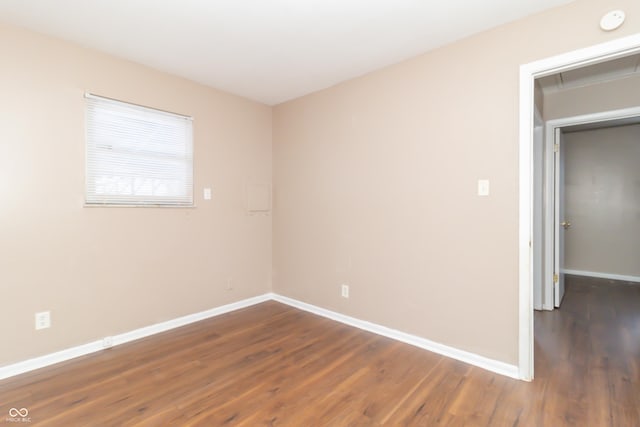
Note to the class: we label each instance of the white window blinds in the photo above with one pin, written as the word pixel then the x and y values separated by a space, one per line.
pixel 137 155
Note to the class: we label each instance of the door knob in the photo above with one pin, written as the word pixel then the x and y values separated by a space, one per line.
pixel 565 224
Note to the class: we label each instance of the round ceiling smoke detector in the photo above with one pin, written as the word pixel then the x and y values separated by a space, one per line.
pixel 612 20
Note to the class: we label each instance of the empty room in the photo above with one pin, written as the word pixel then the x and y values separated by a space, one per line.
pixel 319 213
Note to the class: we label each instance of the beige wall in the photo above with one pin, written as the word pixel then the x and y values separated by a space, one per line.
pixel 602 200
pixel 103 271
pixel 604 96
pixel 375 184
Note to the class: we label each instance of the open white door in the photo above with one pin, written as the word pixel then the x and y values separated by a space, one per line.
pixel 560 224
pixel 538 211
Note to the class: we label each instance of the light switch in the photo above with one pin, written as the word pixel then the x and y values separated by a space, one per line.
pixel 207 194
pixel 483 187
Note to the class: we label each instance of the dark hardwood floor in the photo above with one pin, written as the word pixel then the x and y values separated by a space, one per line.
pixel 272 365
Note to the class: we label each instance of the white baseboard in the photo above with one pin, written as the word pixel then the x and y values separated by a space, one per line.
pixel 49 359
pixel 602 275
pixel 454 353
pixel 92 347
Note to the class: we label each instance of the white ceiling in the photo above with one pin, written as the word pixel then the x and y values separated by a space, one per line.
pixel 267 50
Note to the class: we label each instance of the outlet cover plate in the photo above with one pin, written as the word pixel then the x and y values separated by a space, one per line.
pixel 345 291
pixel 107 342
pixel 43 320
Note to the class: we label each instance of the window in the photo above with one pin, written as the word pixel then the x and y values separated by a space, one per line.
pixel 137 155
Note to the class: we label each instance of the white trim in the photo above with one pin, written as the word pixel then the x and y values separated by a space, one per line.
pixel 49 359
pixel 454 353
pixel 95 346
pixel 528 72
pixel 92 347
pixel 525 230
pixel 611 276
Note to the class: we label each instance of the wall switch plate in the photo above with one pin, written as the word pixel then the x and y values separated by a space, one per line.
pixel 483 187
pixel 206 194
pixel 345 291
pixel 43 320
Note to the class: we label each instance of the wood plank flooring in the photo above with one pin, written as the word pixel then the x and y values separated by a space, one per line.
pixel 273 365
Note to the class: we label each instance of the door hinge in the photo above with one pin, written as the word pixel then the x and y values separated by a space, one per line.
pixel 555 278
pixel 556 148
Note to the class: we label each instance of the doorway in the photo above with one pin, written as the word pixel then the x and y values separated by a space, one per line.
pixel 602 200
pixel 529 238
pixel 556 224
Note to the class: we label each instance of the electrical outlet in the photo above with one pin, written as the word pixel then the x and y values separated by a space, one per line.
pixel 43 320
pixel 345 291
pixel 230 284
pixel 107 342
